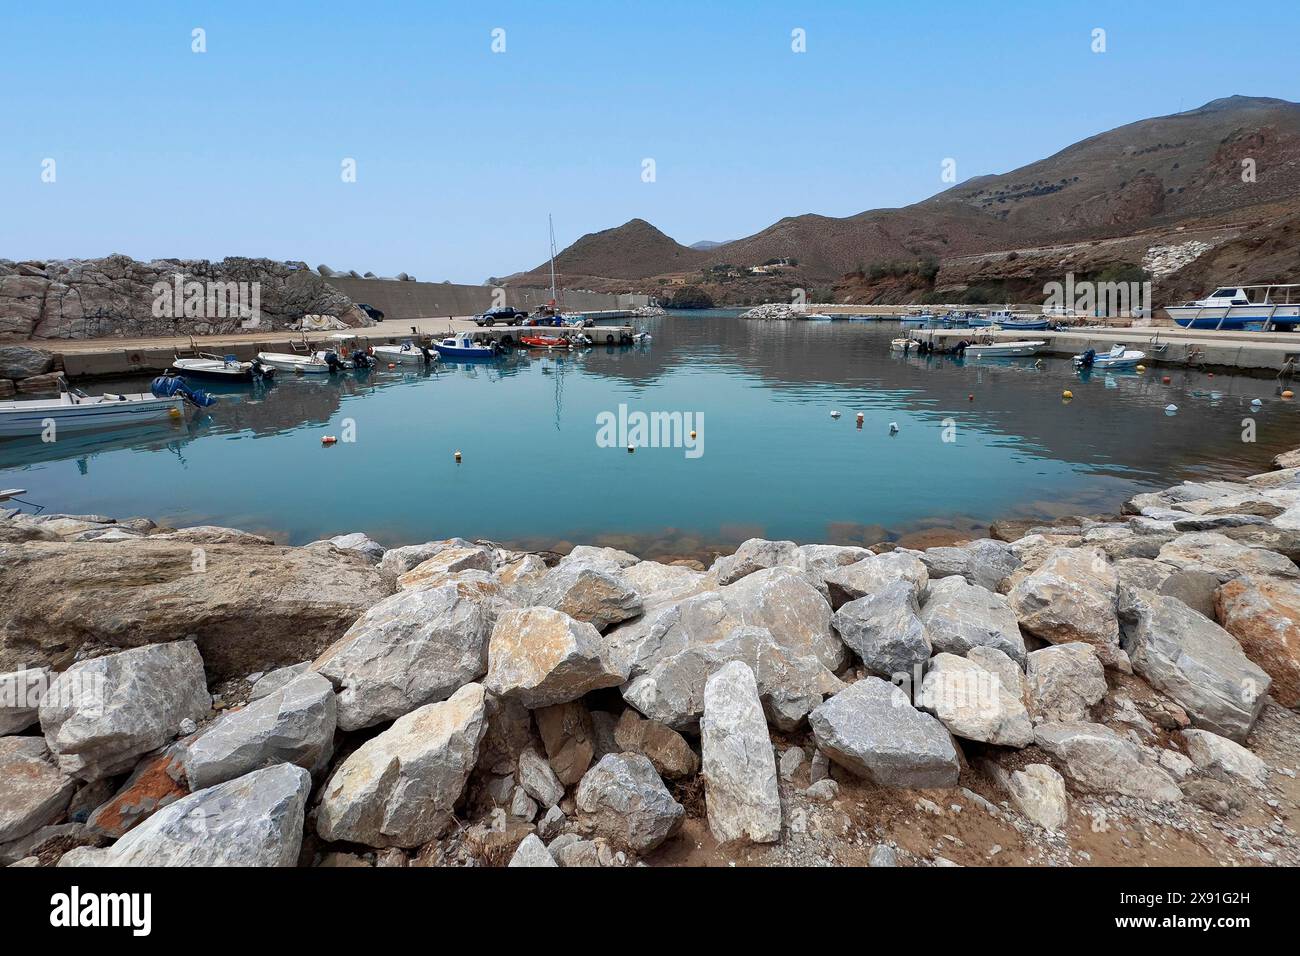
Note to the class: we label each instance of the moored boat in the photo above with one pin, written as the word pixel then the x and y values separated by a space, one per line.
pixel 317 363
pixel 74 411
pixel 545 342
pixel 1117 357
pixel 408 353
pixel 462 346
pixel 1241 308
pixel 1004 349
pixel 225 369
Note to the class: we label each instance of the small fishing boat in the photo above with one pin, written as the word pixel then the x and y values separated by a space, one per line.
pixel 818 317
pixel 1023 324
pixel 75 411
pixel 1004 349
pixel 462 346
pixel 901 345
pixel 225 369
pixel 408 353
pixel 545 342
pixel 925 319
pixel 317 363
pixel 1117 357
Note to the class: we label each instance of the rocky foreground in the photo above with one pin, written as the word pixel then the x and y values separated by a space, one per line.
pixel 1108 691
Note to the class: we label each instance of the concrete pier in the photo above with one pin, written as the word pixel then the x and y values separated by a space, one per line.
pixel 1245 351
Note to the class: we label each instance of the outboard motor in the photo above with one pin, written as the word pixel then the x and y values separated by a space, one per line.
pixel 169 386
pixel 1088 358
pixel 960 348
pixel 261 371
pixel 332 360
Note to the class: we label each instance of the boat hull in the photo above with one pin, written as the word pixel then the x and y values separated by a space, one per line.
pixel 1234 318
pixel 24 422
pixel 398 355
pixel 459 352
pixel 292 363
pixel 213 370
pixel 1006 350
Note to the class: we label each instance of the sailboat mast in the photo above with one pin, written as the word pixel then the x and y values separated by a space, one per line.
pixel 551 225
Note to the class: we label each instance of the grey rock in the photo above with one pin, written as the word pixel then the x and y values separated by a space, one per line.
pixel 540 656
pixel 882 856
pixel 587 594
pixel 1225 759
pixel 411 649
pixel 532 852
pixel 739 768
pixel 272 681
pixel 823 791
pixel 973 703
pixel 1038 792
pixel 362 544
pixel 1071 597
pixel 1217 554
pixel 538 778
pixel 986 562
pixel 1099 759
pixel 33 791
pixel 1064 682
pixel 254 820
pixel 100 715
pixel 884 629
pixel 522 806
pixel 668 750
pixel 20 698
pixel 872 729
pixel 551 824
pixel 627 803
pixel 399 787
pixel 292 725
pixel 756 554
pixel 657 583
pixel 791 760
pixel 873 574
pixel 959 616
pixel 569 738
pixel 1197 663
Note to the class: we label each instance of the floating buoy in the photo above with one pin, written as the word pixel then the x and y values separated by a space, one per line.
pixel 1288 394
pixel 970 398
pixel 1171 409
pixel 392 365
pixel 328 440
pixel 1211 374
pixel 174 412
pixel 1067 394
pixel 1165 380
pixel 893 428
pixel 860 418
pixel 631 449
pixel 1141 368
pixel 458 456
pixel 1255 403
pixel 692 434
pixel 835 414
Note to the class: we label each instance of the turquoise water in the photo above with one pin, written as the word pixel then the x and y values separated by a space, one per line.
pixel 774 462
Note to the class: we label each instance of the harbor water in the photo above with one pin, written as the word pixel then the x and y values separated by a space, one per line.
pixel 542 467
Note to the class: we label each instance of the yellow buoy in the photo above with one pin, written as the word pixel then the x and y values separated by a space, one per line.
pixel 174 412
pixel 1141 368
pixel 1288 394
pixel 1067 394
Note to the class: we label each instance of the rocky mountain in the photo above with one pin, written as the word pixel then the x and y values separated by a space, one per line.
pixel 1226 169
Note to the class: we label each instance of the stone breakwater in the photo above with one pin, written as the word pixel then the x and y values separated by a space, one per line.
pixel 116 296
pixel 1117 691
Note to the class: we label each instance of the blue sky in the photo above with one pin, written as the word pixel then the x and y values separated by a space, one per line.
pixel 462 152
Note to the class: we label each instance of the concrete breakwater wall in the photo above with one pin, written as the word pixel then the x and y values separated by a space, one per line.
pixel 425 300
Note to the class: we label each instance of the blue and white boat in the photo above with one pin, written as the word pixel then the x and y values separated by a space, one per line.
pixel 1238 308
pixel 1024 324
pixel 463 346
pixel 925 319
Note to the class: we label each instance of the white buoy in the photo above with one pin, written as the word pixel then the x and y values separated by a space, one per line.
pixel 1255 403
pixel 835 414
pixel 1171 409
pixel 893 428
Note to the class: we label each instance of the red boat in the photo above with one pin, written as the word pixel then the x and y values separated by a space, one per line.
pixel 544 342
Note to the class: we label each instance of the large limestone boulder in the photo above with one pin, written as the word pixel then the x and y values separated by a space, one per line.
pixel 985 562
pixel 33 791
pixel 541 656
pixel 628 804
pixel 532 852
pixel 356 541
pixel 657 583
pixel 247 607
pixel 399 787
pixel 254 820
pixel 787 604
pixel 884 629
pixel 587 594
pixel 100 715
pixel 1071 597
pixel 1197 663
pixel 294 724
pixel 611 560
pixel 1224 758
pixel 411 649
pixel 1263 614
pixel 756 554
pixel 872 729
pixel 873 574
pixel 819 560
pixel 1097 758
pixel 20 698
pixel 959 616
pixel 973 703
pixel 1064 682
pixel 739 765
pixel 1038 792
pixel 447 561
pixel 397 561
pixel 1220 555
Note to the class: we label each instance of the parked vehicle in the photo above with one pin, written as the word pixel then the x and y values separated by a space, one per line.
pixel 506 315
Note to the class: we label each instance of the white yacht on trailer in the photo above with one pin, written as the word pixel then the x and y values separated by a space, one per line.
pixel 1245 307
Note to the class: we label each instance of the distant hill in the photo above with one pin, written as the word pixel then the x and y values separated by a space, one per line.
pixel 706 244
pixel 1155 176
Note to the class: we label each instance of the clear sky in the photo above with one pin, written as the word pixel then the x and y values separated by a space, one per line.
pixel 461 152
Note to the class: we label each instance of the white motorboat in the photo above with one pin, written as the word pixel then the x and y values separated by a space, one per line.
pixel 314 364
pixel 1004 349
pixel 901 345
pixel 1117 357
pixel 408 353
pixel 74 411
pixel 227 368
pixel 1248 307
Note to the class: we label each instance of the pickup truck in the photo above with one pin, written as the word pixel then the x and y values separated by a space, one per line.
pixel 506 315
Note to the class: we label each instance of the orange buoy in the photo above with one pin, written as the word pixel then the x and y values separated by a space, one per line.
pixel 1165 380
pixel 1067 394
pixel 1288 394
pixel 328 440
pixel 392 365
